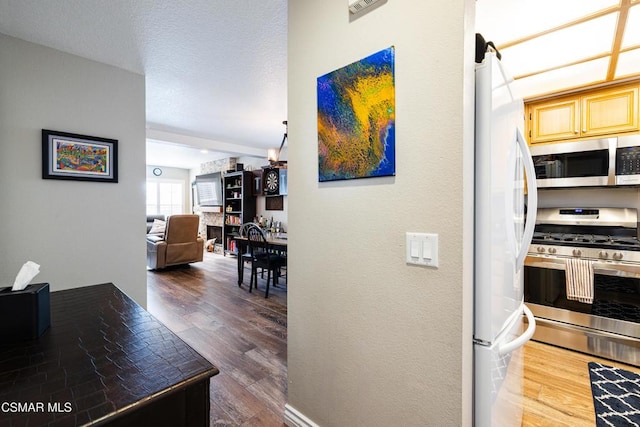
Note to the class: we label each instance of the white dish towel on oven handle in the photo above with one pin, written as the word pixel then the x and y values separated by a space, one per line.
pixel 579 274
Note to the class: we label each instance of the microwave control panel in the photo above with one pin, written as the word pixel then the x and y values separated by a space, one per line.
pixel 628 165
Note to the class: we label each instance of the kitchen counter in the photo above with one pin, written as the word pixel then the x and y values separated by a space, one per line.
pixel 104 361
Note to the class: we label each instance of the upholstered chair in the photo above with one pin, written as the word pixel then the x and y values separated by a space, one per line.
pixel 180 243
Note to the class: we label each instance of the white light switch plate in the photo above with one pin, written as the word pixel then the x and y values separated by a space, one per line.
pixel 422 249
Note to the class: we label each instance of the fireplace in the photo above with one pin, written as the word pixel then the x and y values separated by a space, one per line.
pixel 212 219
pixel 215 232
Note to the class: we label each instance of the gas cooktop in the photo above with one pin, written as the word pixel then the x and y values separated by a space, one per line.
pixel 613 229
pixel 624 243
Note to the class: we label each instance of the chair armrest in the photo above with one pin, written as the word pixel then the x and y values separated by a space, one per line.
pixel 155 238
pixel 156 252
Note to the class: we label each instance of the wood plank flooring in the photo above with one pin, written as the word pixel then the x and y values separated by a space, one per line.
pixel 245 336
pixel 557 391
pixel 242 333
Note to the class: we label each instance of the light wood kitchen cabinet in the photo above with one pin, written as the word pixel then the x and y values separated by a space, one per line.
pixel 608 111
pixel 555 120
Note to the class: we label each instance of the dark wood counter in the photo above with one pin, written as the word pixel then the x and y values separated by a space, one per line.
pixel 104 361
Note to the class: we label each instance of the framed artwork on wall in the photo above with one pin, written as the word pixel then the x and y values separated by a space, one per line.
pixel 274 203
pixel 356 119
pixel 78 157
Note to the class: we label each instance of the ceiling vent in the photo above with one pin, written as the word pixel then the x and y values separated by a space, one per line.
pixel 360 5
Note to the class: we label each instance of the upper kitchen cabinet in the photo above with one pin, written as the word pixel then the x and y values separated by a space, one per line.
pixel 583 115
pixel 610 112
pixel 553 120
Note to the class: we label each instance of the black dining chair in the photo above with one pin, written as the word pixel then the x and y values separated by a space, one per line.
pixel 246 256
pixel 262 256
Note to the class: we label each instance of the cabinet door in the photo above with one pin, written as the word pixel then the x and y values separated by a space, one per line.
pixel 610 112
pixel 552 121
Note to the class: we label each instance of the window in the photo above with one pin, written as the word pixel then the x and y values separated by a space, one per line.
pixel 165 197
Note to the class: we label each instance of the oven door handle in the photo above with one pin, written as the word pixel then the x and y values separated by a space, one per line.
pixel 532 200
pixel 507 348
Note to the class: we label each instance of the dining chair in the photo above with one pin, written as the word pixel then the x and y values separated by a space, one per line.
pixel 246 256
pixel 262 256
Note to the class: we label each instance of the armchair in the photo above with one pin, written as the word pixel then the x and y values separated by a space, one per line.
pixel 180 243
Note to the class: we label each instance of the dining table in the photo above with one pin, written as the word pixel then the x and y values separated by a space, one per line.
pixel 276 241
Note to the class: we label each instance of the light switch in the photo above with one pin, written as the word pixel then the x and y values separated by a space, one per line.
pixel 426 249
pixel 422 249
pixel 415 248
pixel 430 250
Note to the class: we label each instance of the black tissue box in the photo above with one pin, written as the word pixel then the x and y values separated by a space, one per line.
pixel 25 314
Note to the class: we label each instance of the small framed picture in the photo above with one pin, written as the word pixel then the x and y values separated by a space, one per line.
pixel 78 157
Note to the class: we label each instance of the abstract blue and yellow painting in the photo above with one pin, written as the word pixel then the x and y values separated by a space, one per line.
pixel 356 119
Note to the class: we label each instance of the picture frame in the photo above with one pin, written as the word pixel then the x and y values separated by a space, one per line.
pixel 274 203
pixel 70 156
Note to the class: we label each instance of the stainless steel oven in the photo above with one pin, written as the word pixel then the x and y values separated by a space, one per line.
pixel 606 239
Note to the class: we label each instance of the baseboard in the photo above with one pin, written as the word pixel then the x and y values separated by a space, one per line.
pixel 294 418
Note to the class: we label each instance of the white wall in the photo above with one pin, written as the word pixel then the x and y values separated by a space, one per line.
pixel 373 341
pixel 275 215
pixel 81 233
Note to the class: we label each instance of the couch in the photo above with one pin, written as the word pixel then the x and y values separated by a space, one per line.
pixel 180 243
pixel 151 218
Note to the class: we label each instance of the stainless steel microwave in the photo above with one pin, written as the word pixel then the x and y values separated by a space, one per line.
pixel 591 163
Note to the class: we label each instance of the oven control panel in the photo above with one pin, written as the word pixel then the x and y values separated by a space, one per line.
pixel 580 211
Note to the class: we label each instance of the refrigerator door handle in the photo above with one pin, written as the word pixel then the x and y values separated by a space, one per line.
pixel 522 339
pixel 532 199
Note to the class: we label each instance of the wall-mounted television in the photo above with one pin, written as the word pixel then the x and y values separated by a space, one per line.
pixel 209 189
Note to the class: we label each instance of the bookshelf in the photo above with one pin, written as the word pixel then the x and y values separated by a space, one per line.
pixel 239 206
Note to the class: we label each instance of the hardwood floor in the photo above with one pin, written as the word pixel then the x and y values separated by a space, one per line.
pixel 242 333
pixel 245 336
pixel 557 391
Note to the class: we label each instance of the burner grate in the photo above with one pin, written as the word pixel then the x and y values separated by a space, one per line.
pixel 598 241
pixel 614 230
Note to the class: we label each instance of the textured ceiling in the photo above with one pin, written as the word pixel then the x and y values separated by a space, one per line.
pixel 215 69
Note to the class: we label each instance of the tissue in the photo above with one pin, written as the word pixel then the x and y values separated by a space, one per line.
pixel 28 271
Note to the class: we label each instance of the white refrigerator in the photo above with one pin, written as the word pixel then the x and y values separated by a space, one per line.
pixel 503 232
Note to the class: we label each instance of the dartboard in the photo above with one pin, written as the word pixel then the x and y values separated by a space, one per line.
pixel 271 181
